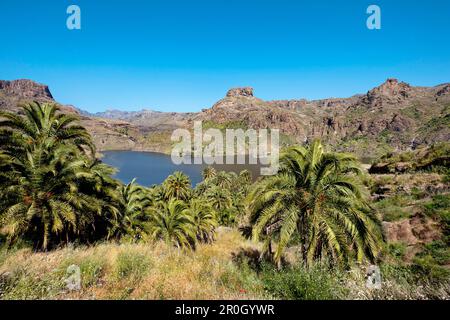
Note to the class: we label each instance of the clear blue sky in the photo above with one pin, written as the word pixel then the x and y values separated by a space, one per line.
pixel 183 55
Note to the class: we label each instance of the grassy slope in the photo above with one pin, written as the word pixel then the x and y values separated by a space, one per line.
pixel 217 271
pixel 131 271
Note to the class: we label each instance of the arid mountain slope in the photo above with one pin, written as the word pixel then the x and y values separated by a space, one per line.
pixel 107 133
pixel 393 116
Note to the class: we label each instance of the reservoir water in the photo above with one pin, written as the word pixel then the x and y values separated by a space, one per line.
pixel 153 168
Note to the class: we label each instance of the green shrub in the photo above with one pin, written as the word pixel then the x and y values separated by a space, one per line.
pixel 439 250
pixel 427 267
pixel 418 194
pixel 23 285
pixel 440 201
pixel 397 249
pixel 439 207
pixel 408 282
pixel 91 271
pixel 446 176
pixel 242 278
pixel 299 283
pixel 393 208
pixel 401 274
pixel 131 265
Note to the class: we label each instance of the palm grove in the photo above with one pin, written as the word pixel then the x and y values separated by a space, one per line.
pixel 54 191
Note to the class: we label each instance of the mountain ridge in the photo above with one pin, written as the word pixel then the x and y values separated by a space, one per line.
pixel 392 116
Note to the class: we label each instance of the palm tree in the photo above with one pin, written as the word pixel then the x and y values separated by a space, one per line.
pixel 6 178
pixel 209 173
pixel 222 202
pixel 46 192
pixel 317 198
pixel 44 199
pixel 224 179
pixel 130 218
pixel 177 186
pixel 42 127
pixel 219 199
pixel 204 220
pixel 201 188
pixel 171 221
pixel 245 177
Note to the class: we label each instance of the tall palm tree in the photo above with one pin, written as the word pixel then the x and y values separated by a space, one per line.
pixel 171 221
pixel 178 186
pixel 201 188
pixel 45 195
pixel 316 197
pixel 45 200
pixel 204 220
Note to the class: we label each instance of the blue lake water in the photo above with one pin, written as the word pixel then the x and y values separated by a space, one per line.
pixel 153 168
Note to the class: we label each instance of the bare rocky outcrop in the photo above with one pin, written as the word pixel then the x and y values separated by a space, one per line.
pixel 240 92
pixel 240 106
pixel 297 105
pixel 399 123
pixel 415 230
pixel 390 92
pixel 26 89
pixel 443 90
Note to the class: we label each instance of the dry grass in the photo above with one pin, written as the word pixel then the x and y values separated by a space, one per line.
pixel 159 271
pixel 134 271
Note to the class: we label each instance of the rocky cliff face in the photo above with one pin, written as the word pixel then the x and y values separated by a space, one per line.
pixel 26 89
pixel 16 91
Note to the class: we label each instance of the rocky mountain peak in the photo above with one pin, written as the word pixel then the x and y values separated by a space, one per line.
pixel 390 92
pixel 240 92
pixel 27 89
pixel 392 87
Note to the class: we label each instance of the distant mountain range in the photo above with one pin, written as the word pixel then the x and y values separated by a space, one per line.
pixel 392 116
